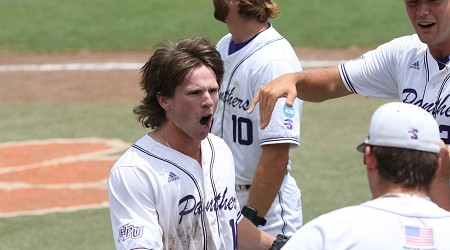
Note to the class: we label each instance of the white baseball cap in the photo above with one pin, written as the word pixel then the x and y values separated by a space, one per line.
pixel 402 125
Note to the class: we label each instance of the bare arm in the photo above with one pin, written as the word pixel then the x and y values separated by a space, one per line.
pixel 268 177
pixel 440 188
pixel 315 85
pixel 318 85
pixel 250 237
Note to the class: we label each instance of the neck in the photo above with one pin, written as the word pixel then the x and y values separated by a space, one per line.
pixel 245 30
pixel 439 51
pixel 403 195
pixel 180 142
pixel 401 192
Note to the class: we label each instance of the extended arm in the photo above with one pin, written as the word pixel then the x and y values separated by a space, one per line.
pixel 440 188
pixel 315 85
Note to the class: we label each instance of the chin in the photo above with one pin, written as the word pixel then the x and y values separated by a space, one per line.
pixel 204 134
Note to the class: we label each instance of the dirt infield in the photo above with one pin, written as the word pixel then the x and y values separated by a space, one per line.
pixel 44 176
pixel 39 177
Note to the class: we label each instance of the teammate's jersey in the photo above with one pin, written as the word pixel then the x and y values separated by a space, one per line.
pixel 403 68
pixel 383 223
pixel 163 199
pixel 266 57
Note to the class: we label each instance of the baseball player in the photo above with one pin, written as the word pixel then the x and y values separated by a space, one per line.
pixel 174 188
pixel 255 53
pixel 413 69
pixel 403 138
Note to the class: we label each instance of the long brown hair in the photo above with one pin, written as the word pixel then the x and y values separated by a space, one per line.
pixel 261 9
pixel 166 69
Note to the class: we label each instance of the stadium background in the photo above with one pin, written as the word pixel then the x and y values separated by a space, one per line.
pixel 48 92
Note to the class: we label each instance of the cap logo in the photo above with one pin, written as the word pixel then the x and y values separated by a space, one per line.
pixel 413 133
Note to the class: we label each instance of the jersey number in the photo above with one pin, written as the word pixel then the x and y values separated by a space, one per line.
pixel 242 130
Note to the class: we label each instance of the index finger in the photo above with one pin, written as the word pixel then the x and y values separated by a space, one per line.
pixel 266 107
pixel 255 101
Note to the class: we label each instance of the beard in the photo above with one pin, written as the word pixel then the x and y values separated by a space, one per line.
pixel 220 10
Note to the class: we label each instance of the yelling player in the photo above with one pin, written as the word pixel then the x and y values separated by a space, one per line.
pixel 174 188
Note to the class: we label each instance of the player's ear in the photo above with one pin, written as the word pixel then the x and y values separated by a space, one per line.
pixel 370 159
pixel 443 168
pixel 163 101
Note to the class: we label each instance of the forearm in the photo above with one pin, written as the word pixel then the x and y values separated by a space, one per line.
pixel 268 178
pixel 440 187
pixel 440 192
pixel 263 191
pixel 317 85
pixel 250 237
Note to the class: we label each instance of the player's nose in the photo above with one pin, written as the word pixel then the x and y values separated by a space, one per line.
pixel 208 99
pixel 422 8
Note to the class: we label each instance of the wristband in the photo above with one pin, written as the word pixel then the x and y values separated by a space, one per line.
pixel 251 214
pixel 279 242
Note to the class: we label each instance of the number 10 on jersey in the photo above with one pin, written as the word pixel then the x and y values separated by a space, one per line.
pixel 242 130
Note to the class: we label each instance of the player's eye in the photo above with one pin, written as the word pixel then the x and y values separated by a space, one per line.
pixel 194 92
pixel 214 91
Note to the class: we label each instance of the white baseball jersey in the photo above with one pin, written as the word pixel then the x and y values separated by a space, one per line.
pixel 266 57
pixel 383 223
pixel 403 68
pixel 163 199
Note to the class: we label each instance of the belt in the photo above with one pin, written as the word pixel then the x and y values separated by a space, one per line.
pixel 242 187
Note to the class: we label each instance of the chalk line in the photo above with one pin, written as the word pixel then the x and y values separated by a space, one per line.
pixel 109 66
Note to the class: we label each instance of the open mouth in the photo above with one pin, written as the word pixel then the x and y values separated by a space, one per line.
pixel 426 24
pixel 205 119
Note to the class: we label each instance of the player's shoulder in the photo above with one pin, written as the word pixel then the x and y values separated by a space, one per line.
pixel 412 207
pixel 273 42
pixel 401 49
pixel 272 47
pixel 407 43
pixel 139 154
pixel 410 39
pixel 216 140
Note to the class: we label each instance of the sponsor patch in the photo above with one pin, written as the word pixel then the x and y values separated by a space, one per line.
pixel 288 111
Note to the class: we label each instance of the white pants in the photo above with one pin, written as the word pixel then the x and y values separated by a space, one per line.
pixel 285 216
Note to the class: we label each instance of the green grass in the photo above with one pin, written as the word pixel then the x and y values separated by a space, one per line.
pixel 344 23
pixel 327 166
pixel 89 229
pixel 41 121
pixel 105 25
